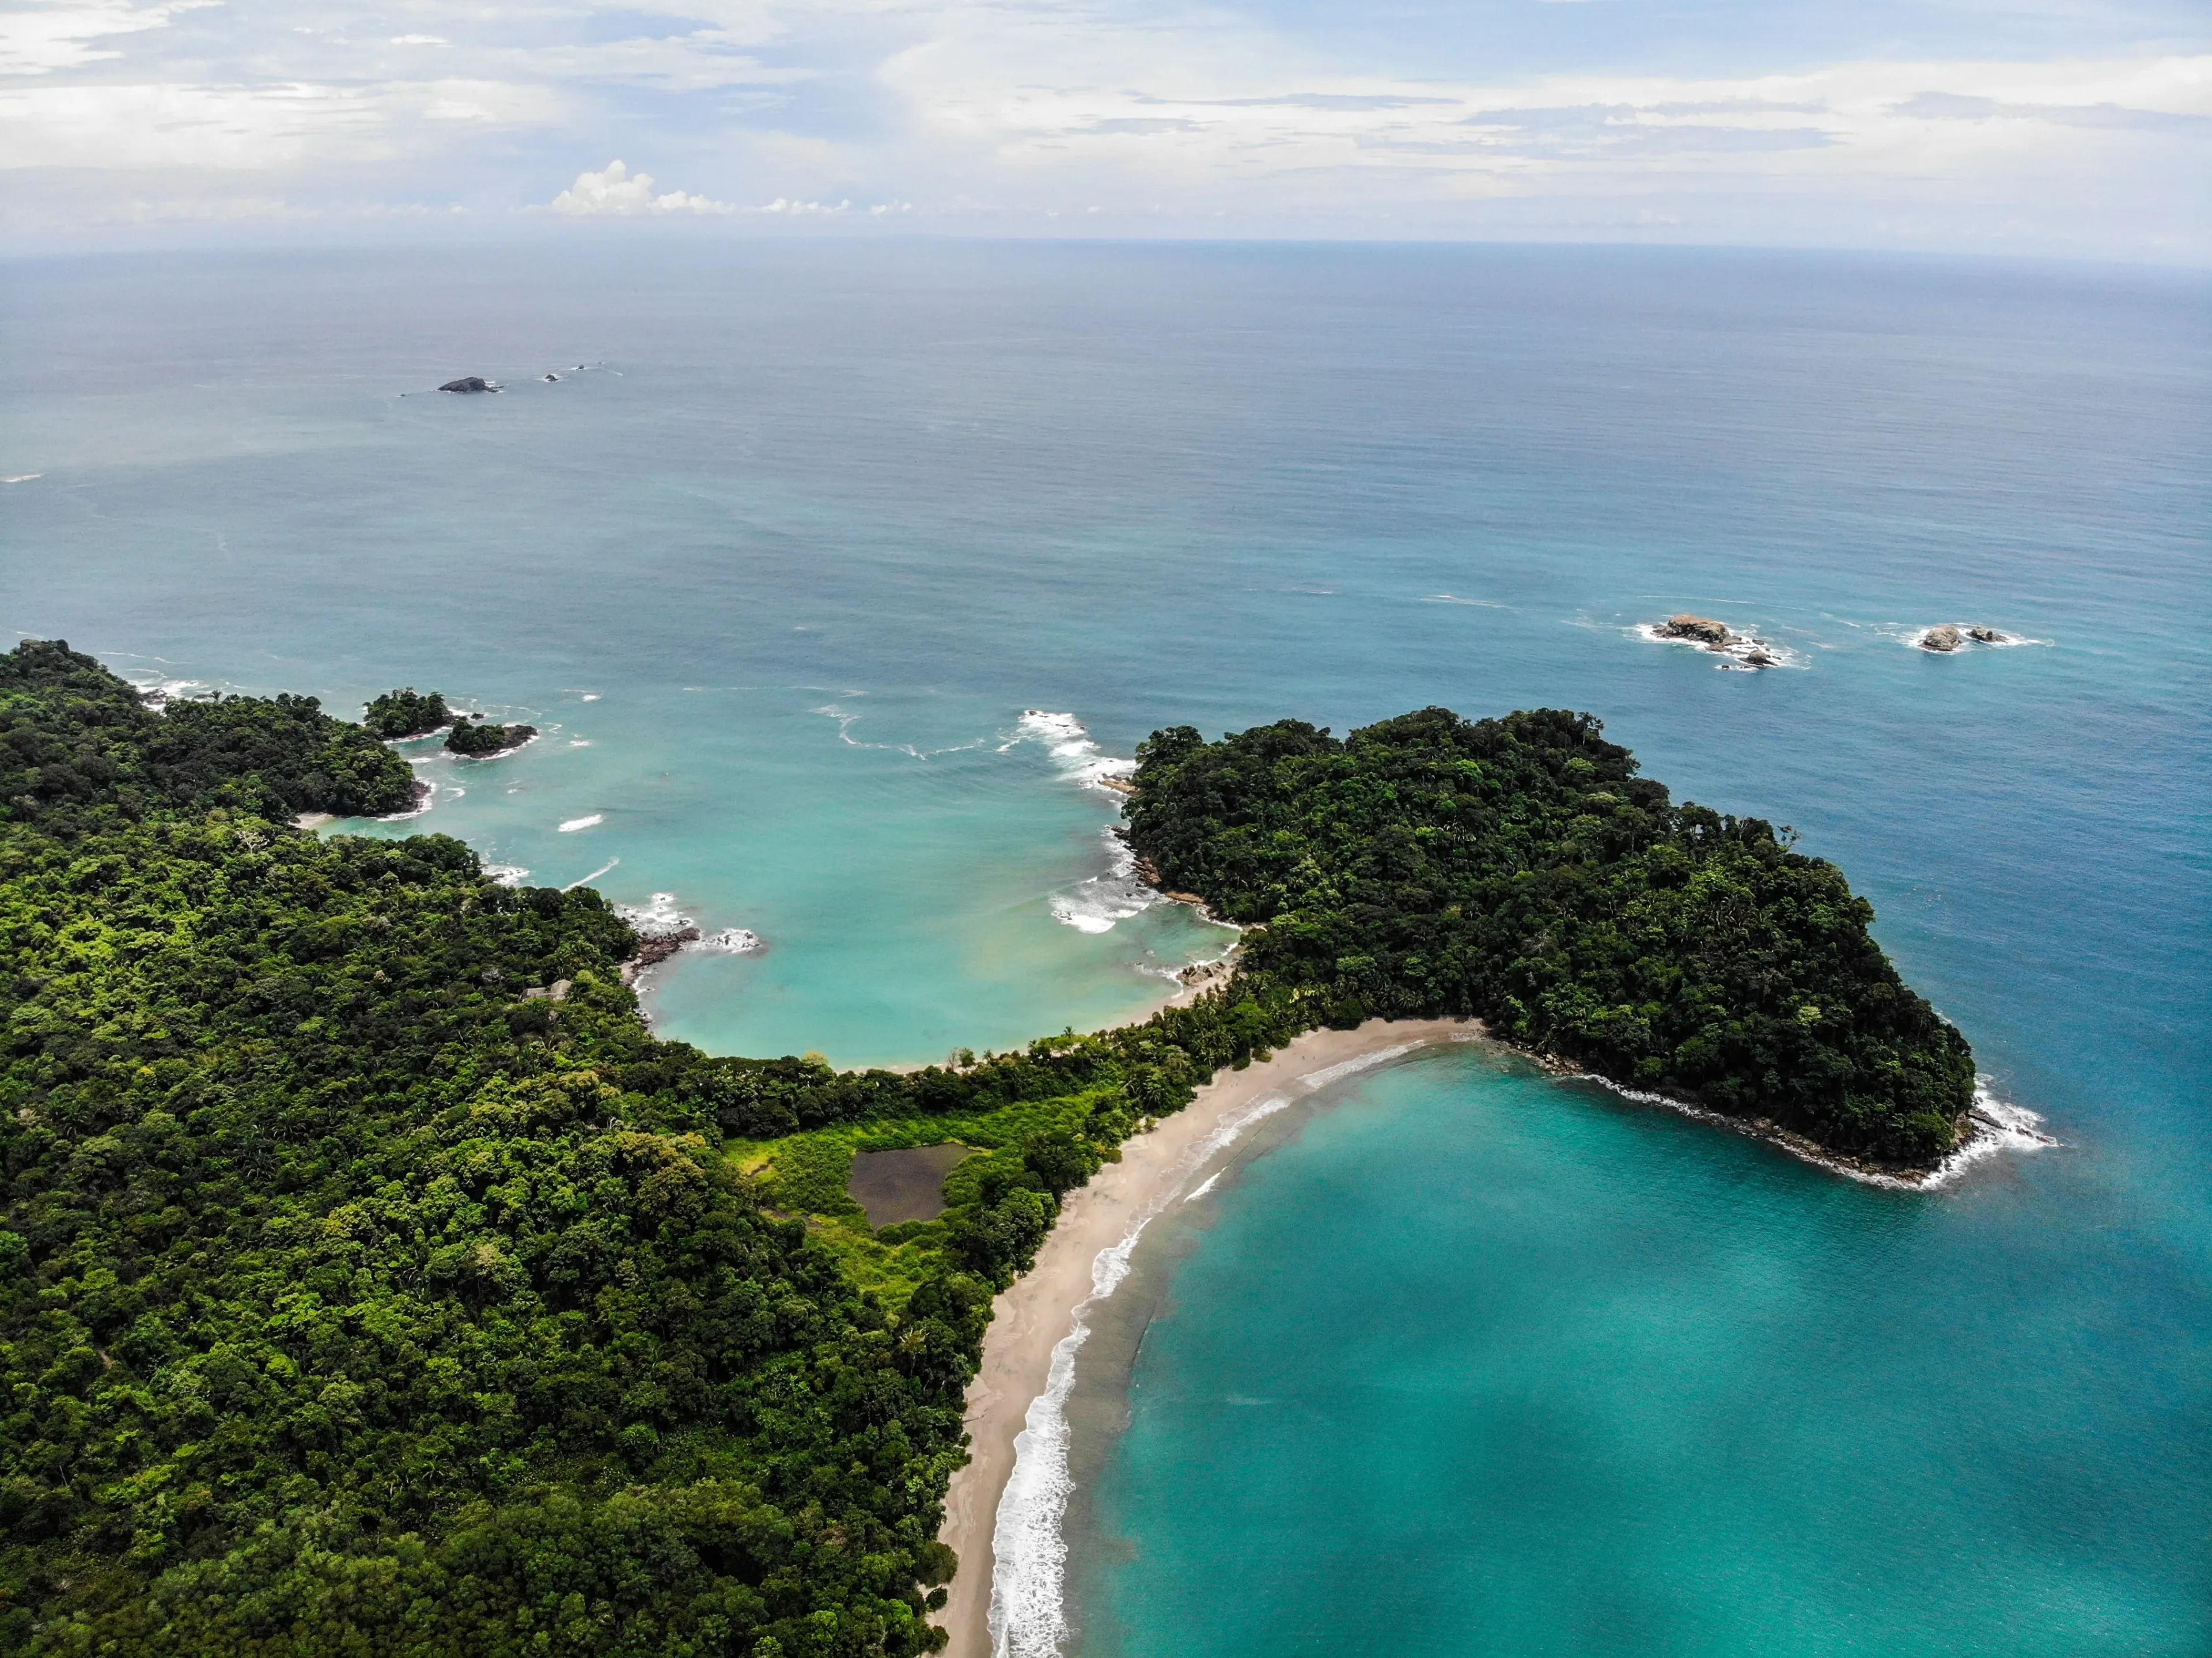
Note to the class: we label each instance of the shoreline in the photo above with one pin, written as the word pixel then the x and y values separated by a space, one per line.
pixel 1032 1320
pixel 1037 1327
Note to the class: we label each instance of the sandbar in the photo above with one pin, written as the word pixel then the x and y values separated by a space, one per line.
pixel 1029 1320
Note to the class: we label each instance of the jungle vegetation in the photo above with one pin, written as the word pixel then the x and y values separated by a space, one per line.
pixel 1519 870
pixel 353 1301
pixel 359 1296
pixel 477 740
pixel 407 712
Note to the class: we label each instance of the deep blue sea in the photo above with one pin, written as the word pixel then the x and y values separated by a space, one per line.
pixel 833 572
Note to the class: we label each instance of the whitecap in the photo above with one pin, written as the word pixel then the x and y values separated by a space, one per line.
pixel 426 796
pixel 594 876
pixel 591 821
pixel 1078 757
pixel 846 720
pixel 591 696
pixel 1027 1618
pixel 1095 905
pixel 1996 1126
pixel 731 941
pixel 508 874
pixel 657 917
pixel 579 742
pixel 662 916
pixel 23 478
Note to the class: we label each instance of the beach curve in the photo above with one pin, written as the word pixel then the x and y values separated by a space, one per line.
pixel 1037 1321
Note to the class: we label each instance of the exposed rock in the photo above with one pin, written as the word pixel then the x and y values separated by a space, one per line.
pixel 1701 629
pixel 1944 638
pixel 557 992
pixel 657 948
pixel 552 380
pixel 1758 660
pixel 468 383
pixel 1988 636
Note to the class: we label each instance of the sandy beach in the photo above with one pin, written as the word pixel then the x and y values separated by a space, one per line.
pixel 1030 1319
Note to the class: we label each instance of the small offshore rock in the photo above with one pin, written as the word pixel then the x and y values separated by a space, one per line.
pixel 1703 629
pixel 1758 660
pixel 1988 636
pixel 552 380
pixel 467 383
pixel 1945 638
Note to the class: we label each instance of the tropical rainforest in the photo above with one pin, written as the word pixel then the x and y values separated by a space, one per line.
pixel 373 1282
pixel 1519 870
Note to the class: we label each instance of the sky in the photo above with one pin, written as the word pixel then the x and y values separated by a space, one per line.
pixel 2051 128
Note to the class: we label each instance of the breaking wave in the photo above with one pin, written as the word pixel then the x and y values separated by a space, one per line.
pixel 1077 756
pixel 1095 905
pixel 1028 1619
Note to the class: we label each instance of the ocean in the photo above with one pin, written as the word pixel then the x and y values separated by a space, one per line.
pixel 834 573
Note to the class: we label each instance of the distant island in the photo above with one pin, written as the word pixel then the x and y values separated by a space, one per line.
pixel 377 1282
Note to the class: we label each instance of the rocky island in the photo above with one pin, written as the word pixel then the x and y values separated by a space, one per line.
pixel 483 740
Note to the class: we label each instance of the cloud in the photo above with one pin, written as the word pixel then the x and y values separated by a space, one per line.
pixel 1123 116
pixel 614 189
pixel 1955 106
pixel 46 39
pixel 285 126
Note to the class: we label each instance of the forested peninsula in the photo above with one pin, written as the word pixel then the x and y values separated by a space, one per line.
pixel 357 1300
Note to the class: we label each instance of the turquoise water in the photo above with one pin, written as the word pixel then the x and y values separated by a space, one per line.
pixel 1481 1362
pixel 820 523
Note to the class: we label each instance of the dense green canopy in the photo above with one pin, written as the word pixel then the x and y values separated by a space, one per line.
pixel 372 1282
pixel 1519 870
pixel 406 713
pixel 477 741
pixel 375 1282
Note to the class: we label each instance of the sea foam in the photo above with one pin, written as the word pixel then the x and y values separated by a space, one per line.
pixel 1028 1616
pixel 662 917
pixel 1077 756
pixel 591 821
pixel 1095 905
pixel 1734 655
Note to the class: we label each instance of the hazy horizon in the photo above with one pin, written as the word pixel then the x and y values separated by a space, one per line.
pixel 2037 130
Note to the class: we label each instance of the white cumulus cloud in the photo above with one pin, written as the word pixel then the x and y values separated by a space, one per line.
pixel 614 188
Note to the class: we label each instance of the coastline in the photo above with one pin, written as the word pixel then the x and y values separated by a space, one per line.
pixel 1031 1320
pixel 1038 1326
